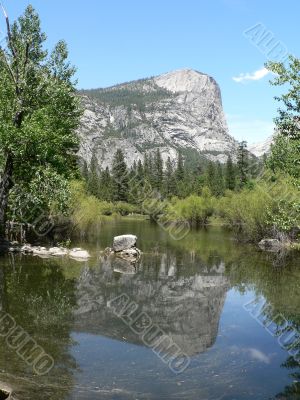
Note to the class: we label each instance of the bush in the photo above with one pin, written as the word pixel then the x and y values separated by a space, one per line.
pixel 194 209
pixel 87 211
pixel 123 208
pixel 269 209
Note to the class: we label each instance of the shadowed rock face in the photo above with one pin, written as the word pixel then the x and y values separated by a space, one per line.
pixel 186 308
pixel 179 110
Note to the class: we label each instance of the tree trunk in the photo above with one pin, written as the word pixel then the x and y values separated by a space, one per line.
pixel 5 185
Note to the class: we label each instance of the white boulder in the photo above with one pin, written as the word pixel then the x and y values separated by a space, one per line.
pixel 124 242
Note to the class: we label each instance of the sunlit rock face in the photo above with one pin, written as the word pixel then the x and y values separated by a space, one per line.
pixel 186 308
pixel 261 148
pixel 181 110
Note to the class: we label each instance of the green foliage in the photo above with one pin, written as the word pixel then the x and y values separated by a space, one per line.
pixel 194 209
pixel 242 164
pixel 230 175
pixel 268 209
pixel 39 112
pixel 93 180
pixel 247 212
pixel 88 212
pixel 214 178
pixel 120 179
pixel 139 94
pixel 169 179
pixel 285 155
pixel 47 195
pixel 157 171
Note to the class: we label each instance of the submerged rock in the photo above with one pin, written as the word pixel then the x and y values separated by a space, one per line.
pixel 58 251
pixel 123 266
pixel 27 249
pixel 79 254
pixel 124 242
pixel 131 255
pixel 270 244
pixel 76 253
pixel 41 251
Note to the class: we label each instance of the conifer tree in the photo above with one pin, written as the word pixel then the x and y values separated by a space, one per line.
pixel 219 180
pixel 180 168
pixel 105 192
pixel 243 164
pixel 157 171
pixel 140 173
pixel 210 177
pixel 120 178
pixel 93 181
pixel 230 177
pixel 169 179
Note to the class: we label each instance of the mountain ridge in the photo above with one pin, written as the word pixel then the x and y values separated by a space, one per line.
pixel 177 111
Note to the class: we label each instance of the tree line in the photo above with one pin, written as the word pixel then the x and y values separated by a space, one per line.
pixel 167 179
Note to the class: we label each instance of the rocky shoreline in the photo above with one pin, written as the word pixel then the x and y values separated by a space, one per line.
pixel 76 253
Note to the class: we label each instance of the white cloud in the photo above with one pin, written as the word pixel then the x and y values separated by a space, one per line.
pixel 252 130
pixel 253 76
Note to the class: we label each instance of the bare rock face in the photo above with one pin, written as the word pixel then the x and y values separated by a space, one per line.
pixel 261 148
pixel 180 110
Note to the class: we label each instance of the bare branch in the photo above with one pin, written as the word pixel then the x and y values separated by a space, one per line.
pixel 9 32
pixel 4 12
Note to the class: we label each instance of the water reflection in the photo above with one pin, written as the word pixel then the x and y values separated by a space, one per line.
pixel 186 308
pixel 183 287
pixel 40 299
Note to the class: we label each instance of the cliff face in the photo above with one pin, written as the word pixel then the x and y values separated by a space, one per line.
pixel 180 110
pixel 261 148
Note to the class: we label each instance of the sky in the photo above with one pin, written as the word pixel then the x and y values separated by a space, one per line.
pixel 116 41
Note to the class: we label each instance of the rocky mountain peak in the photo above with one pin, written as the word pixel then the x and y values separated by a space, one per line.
pixel 176 111
pixel 183 80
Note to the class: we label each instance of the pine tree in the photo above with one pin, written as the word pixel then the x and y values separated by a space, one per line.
pixel 93 183
pixel 151 177
pixel 157 171
pixel 230 177
pixel 211 176
pixel 180 168
pixel 140 173
pixel 243 164
pixel 219 180
pixel 105 192
pixel 120 178
pixel 169 179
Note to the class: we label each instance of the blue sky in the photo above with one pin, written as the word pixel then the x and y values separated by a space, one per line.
pixel 114 41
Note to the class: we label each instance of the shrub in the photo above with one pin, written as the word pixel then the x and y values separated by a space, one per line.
pixel 270 208
pixel 194 209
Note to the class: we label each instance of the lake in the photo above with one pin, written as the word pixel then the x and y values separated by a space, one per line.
pixel 226 315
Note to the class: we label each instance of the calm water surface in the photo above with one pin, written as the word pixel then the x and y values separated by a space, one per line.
pixel 195 290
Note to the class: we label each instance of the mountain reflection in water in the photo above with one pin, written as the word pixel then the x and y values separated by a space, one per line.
pixel 193 289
